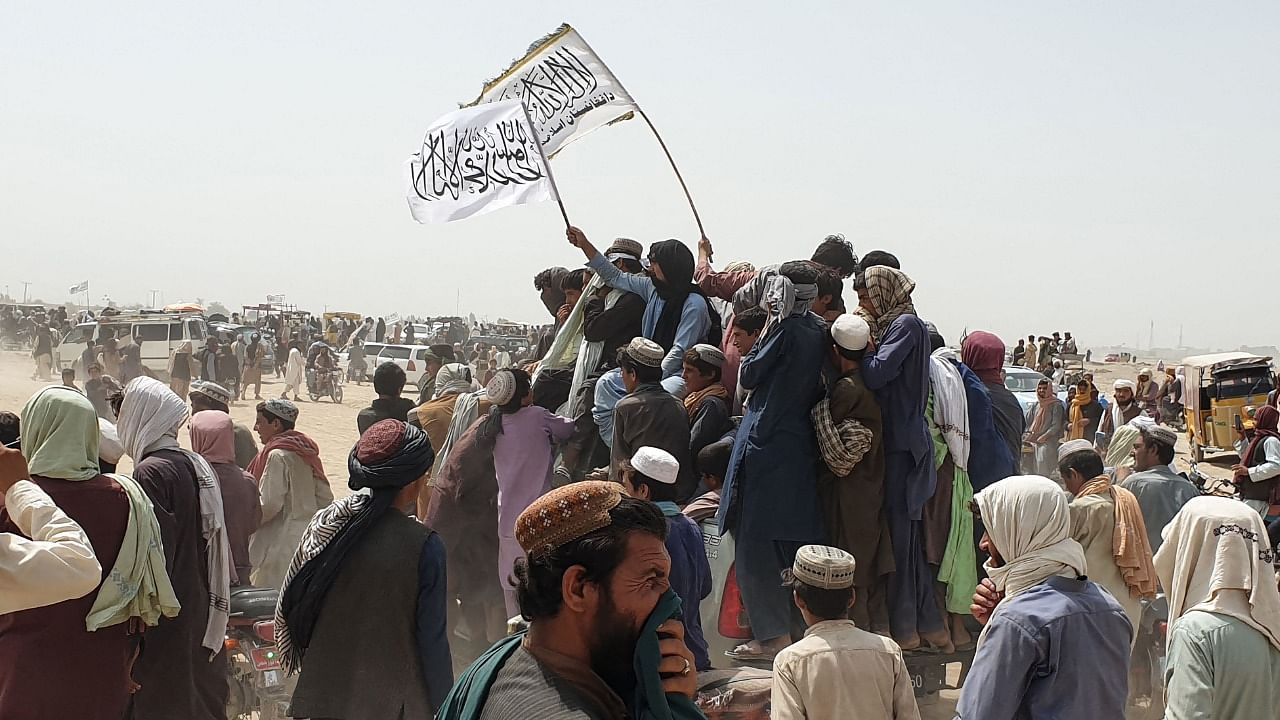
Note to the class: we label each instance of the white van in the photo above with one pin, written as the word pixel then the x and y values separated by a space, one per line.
pixel 159 334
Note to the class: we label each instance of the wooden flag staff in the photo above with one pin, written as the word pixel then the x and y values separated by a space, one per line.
pixel 546 164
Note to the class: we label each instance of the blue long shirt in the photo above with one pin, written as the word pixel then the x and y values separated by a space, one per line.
pixel 898 373
pixel 695 320
pixel 1058 650
pixel 690 577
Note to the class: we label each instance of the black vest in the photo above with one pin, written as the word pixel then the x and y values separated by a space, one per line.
pixel 363 662
pixel 1250 490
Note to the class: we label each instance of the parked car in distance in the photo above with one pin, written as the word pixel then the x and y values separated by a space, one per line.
pixel 412 358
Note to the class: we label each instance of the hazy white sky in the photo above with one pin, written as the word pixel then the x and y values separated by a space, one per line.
pixel 1036 166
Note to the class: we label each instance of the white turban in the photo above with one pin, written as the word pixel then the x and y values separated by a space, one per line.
pixel 1121 384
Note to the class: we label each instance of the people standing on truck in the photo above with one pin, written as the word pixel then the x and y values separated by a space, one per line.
pixel 896 368
pixel 293 486
pixel 1160 491
pixel 1257 474
pixel 838 670
pixel 1224 613
pixel 328 623
pixel 1049 631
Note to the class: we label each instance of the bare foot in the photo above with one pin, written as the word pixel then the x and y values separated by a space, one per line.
pixel 910 643
pixel 940 640
pixel 959 633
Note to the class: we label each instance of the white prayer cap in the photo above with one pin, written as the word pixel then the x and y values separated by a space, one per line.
pixel 656 464
pixel 645 352
pixel 1121 384
pixel 709 354
pixel 851 332
pixel 824 567
pixel 1073 446
pixel 1162 434
pixel 502 387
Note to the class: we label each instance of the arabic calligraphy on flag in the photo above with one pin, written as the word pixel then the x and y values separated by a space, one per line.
pixel 566 89
pixel 473 161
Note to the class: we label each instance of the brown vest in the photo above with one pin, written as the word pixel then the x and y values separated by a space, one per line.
pixel 363 661
pixel 1250 490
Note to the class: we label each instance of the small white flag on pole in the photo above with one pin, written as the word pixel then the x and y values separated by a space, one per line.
pixel 82 287
pixel 565 87
pixel 476 160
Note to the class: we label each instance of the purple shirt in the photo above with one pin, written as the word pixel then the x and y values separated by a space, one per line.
pixel 522 460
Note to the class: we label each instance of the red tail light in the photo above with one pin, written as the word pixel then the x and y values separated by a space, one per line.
pixel 1162 628
pixel 412 367
pixel 733 614
pixel 265 630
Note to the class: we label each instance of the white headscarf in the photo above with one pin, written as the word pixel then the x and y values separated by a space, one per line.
pixel 1216 558
pixel 453 379
pixel 950 405
pixel 150 416
pixel 1029 523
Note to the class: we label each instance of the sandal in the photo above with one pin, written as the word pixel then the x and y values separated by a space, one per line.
pixel 741 654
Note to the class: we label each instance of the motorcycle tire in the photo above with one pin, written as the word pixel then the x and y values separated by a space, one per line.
pixel 337 394
pixel 314 397
pixel 1155 661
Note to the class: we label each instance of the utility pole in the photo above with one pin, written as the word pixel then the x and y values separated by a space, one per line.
pixel 25 285
pixel 1151 336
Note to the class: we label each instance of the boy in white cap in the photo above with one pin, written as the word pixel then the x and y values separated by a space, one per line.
pixel 851 478
pixel 651 475
pixel 837 670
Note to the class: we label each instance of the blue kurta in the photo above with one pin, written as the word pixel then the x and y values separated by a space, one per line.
pixel 1058 650
pixel 770 495
pixel 989 459
pixel 771 487
pixel 690 578
pixel 898 372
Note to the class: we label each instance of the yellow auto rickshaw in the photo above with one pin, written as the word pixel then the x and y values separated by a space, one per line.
pixel 330 332
pixel 1219 388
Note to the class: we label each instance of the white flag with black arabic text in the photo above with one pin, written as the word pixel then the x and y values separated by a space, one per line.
pixel 476 160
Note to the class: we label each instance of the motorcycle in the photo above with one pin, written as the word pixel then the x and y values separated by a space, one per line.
pixel 327 382
pixel 259 688
pixel 1146 671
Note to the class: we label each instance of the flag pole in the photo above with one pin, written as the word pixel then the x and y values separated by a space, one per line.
pixel 683 186
pixel 545 163
pixel 662 143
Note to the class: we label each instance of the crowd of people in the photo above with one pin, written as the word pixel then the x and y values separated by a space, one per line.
pixel 884 492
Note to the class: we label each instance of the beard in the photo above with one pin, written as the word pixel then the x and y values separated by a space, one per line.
pixel 613 648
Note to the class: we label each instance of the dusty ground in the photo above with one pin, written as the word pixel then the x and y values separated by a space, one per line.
pixel 333 427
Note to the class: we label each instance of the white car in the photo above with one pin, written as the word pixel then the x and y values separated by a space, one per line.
pixel 158 334
pixel 411 358
pixel 1023 382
